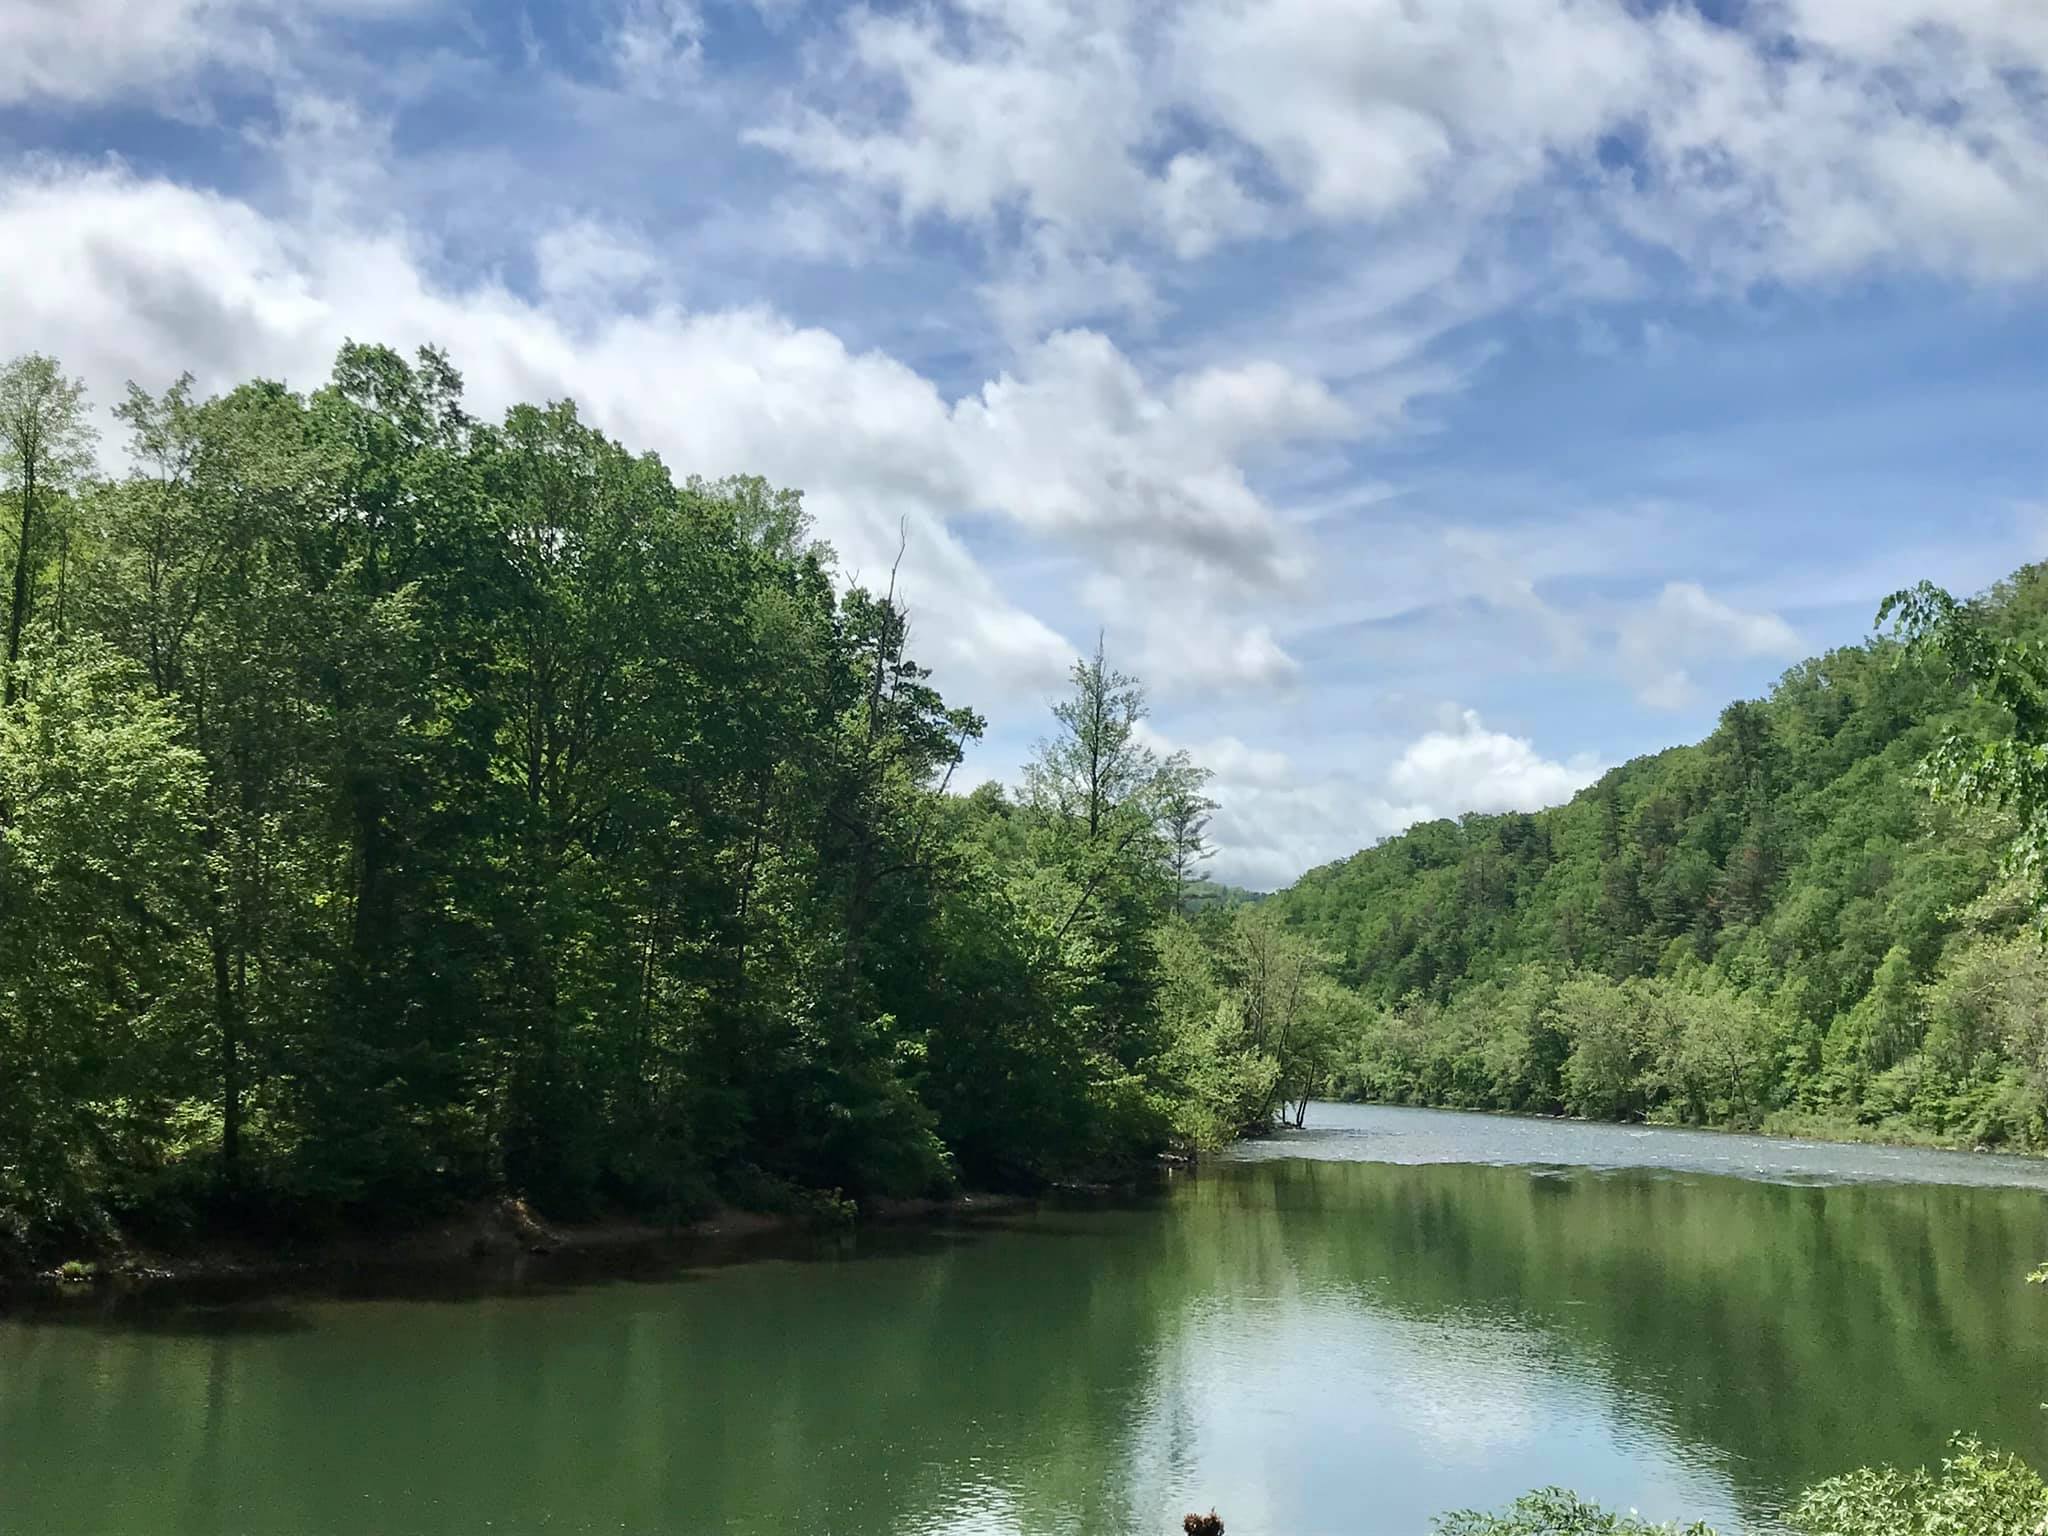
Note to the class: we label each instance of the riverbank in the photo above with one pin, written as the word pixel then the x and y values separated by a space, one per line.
pixel 1789 1125
pixel 484 1242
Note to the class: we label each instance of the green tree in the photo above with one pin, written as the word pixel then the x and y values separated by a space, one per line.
pixel 99 981
pixel 45 445
pixel 1999 760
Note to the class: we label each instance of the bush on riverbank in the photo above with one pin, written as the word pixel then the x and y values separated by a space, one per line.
pixel 1975 1493
pixel 1556 1512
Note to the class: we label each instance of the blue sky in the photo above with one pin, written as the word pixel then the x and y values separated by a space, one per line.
pixel 1435 403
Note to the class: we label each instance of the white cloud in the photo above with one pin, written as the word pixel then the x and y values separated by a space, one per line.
pixel 1200 202
pixel 1037 104
pixel 1368 108
pixel 583 260
pixel 1470 768
pixel 1685 625
pixel 1262 402
pixel 1077 442
pixel 657 46
pixel 82 51
pixel 132 277
pixel 1410 156
pixel 1253 659
pixel 1198 654
pixel 1876 30
pixel 1818 145
pixel 1265 836
pixel 1042 114
pixel 1046 283
pixel 1806 139
pixel 1276 818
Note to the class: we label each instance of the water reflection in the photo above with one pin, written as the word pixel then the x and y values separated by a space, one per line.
pixel 1311 1346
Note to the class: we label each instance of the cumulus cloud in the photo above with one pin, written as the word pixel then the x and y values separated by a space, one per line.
pixel 586 260
pixel 1686 625
pixel 1076 441
pixel 1428 165
pixel 134 277
pixel 1261 402
pixel 1276 818
pixel 1470 768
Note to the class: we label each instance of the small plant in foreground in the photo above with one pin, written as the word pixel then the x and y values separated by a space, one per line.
pixel 1556 1512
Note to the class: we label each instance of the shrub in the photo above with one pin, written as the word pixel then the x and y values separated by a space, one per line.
pixel 1977 1493
pixel 1555 1512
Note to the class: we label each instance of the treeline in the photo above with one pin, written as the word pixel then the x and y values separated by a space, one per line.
pixel 1778 925
pixel 398 807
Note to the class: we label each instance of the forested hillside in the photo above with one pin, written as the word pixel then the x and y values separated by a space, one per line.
pixel 1778 921
pixel 398 808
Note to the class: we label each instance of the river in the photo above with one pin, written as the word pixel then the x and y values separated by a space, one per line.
pixel 1341 1330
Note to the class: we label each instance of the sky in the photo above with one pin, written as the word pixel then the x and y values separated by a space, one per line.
pixel 1435 401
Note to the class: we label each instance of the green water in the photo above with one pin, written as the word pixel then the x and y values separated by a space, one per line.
pixel 1309 1339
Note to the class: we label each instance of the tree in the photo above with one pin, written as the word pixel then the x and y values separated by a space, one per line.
pixel 1184 810
pixel 1098 799
pixel 45 443
pixel 99 978
pixel 1603 1074
pixel 2000 760
pixel 1096 764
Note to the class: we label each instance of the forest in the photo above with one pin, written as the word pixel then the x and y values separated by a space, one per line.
pixel 1825 916
pixel 399 808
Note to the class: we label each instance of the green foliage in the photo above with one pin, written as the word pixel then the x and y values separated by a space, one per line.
pixel 1776 925
pixel 1976 1493
pixel 397 808
pixel 1554 1512
pixel 1999 759
pixel 99 893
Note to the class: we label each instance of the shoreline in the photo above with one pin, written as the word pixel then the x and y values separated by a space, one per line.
pixel 1799 1127
pixel 496 1247
pixel 483 1248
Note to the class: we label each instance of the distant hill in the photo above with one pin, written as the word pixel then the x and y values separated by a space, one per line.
pixel 1214 896
pixel 1790 861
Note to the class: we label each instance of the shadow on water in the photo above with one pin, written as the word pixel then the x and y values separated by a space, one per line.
pixel 277 1301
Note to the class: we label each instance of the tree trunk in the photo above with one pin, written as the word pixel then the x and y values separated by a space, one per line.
pixel 17 616
pixel 228 1023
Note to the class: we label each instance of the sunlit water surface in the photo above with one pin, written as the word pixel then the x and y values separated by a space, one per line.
pixel 1343 1330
